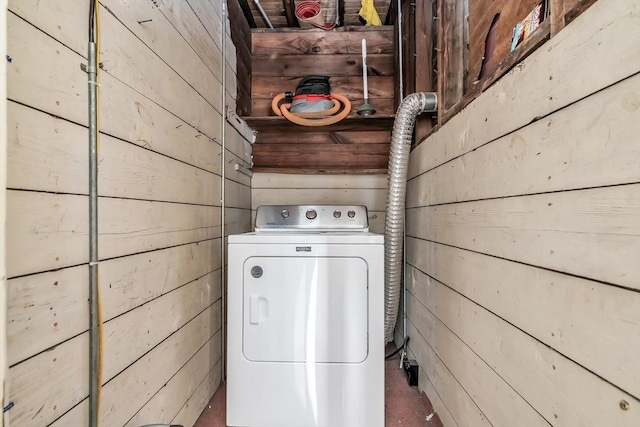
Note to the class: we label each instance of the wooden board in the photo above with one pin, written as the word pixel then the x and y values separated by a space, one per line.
pixel 45 309
pixel 126 170
pixel 127 393
pixel 124 113
pixel 278 181
pixel 50 230
pixel 66 369
pixel 238 195
pixel 319 42
pixel 123 56
pixel 152 324
pixel 587 233
pixel 462 407
pixel 47 231
pixel 349 86
pixel 186 22
pixel 158 367
pixel 298 66
pixel 482 383
pixel 364 137
pixel 192 409
pixel 199 65
pixel 577 327
pixel 451 47
pixel 319 156
pixel 426 79
pixel 208 13
pixel 552 154
pixel 430 391
pixel 165 404
pixel 352 123
pixel 565 70
pixel 133 226
pixel 557 389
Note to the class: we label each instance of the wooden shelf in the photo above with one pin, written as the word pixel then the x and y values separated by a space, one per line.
pixel 356 123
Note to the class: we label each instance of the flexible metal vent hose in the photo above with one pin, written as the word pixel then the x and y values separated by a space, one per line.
pixel 401 136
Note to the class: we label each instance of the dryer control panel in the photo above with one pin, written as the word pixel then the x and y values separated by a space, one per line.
pixel 312 217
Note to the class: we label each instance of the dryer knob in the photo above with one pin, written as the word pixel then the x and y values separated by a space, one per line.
pixel 312 214
pixel 284 213
pixel 351 214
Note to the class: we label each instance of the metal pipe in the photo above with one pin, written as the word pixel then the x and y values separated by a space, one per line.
pixel 401 137
pixel 94 337
pixel 223 163
pixel 263 13
pixel 400 55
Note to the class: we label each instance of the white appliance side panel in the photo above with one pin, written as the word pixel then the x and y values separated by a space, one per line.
pixel 305 309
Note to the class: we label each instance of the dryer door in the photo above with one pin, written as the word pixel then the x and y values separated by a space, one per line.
pixel 305 309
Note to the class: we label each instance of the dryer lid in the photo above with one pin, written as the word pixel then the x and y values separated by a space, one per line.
pixel 312 217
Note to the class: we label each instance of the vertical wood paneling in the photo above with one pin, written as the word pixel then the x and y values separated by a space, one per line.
pixel 546 296
pixel 451 45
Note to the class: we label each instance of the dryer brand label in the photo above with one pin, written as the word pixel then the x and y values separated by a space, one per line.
pixel 303 248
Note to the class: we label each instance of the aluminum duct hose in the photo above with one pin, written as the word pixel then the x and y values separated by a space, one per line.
pixel 408 110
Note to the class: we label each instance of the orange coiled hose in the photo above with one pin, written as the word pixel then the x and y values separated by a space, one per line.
pixel 323 118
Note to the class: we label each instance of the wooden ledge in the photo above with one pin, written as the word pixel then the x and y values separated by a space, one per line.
pixel 272 124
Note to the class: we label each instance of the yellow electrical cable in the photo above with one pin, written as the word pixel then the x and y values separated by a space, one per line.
pixel 100 334
pixel 323 118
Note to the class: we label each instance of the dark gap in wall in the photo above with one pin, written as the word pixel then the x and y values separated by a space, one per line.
pixel 489 47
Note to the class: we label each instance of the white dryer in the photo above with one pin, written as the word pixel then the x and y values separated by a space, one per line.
pixel 306 320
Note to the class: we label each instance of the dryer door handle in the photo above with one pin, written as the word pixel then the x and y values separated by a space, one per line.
pixel 258 310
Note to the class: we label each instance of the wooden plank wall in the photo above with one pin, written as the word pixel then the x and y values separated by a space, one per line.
pixel 282 189
pixel 281 59
pixel 524 238
pixel 160 242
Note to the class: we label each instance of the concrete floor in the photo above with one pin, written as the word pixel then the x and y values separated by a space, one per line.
pixel 404 405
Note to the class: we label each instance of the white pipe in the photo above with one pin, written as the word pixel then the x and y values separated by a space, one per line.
pixel 364 70
pixel 264 14
pixel 223 115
